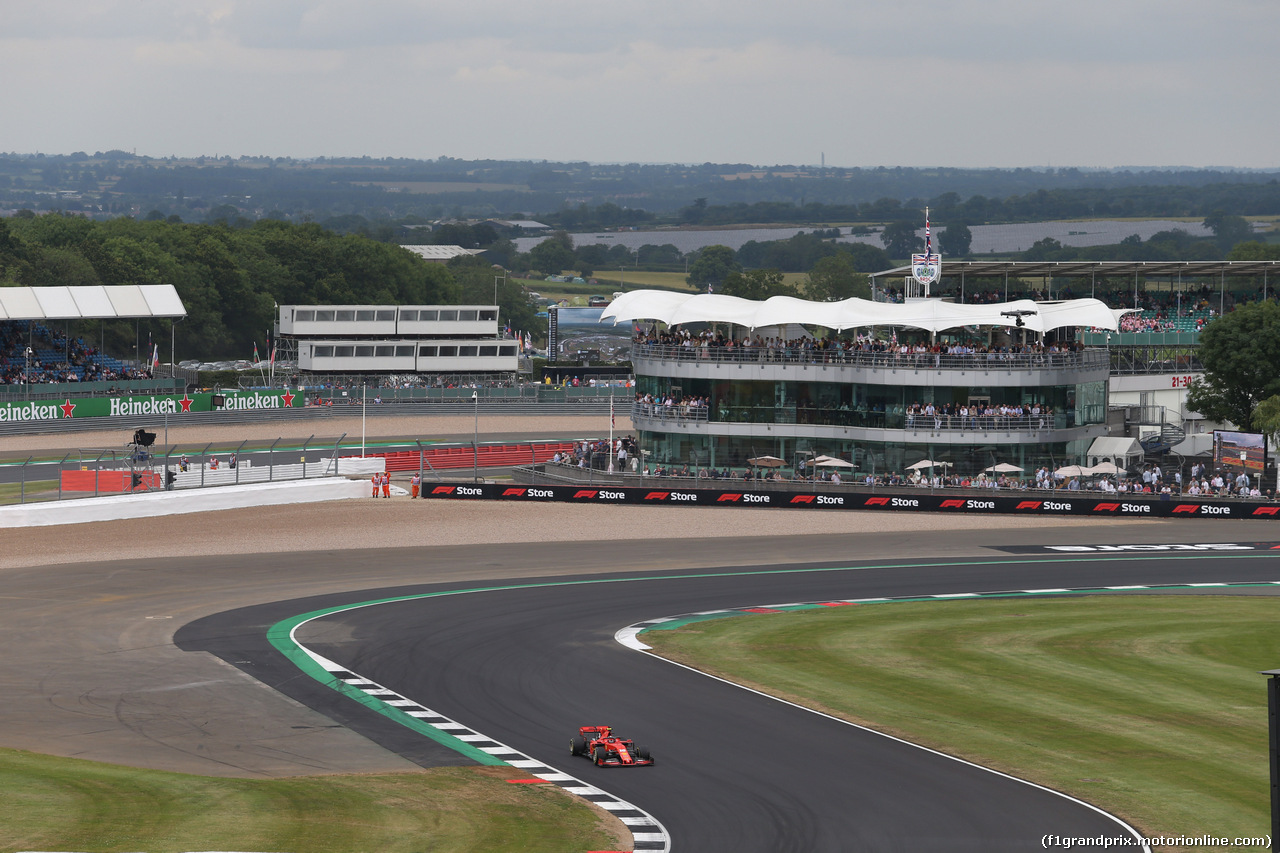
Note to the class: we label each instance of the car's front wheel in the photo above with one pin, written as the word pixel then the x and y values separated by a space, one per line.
pixel 602 755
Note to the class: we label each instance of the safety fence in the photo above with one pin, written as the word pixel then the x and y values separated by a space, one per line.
pixel 136 468
pixel 80 474
pixel 585 405
pixel 446 457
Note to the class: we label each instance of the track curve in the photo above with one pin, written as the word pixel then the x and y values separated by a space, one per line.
pixel 526 664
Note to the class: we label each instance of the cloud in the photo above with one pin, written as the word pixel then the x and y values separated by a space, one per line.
pixel 1004 82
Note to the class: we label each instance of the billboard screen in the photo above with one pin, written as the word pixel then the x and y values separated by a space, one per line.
pixel 582 335
pixel 1239 451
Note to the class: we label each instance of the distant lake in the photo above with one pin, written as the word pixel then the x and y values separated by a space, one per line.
pixel 986 238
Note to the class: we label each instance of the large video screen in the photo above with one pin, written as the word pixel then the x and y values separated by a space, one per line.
pixel 1239 451
pixel 581 332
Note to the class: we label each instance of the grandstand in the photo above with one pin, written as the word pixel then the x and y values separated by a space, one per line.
pixel 35 352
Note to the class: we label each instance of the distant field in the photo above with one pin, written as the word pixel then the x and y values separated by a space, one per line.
pixel 640 280
pixel 429 187
pixel 1149 707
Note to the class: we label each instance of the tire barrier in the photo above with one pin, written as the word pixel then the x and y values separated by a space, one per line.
pixel 1130 507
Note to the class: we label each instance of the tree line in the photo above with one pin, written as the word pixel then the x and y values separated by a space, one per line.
pixel 232 279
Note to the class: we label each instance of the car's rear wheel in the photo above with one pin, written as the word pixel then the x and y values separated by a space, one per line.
pixel 578 746
pixel 602 755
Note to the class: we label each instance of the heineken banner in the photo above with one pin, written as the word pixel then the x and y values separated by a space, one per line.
pixel 172 404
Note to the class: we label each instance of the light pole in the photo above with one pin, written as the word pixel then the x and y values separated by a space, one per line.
pixel 1273 728
pixel 27 375
pixel 475 440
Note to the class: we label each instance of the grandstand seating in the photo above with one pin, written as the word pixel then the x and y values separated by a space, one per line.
pixel 1191 321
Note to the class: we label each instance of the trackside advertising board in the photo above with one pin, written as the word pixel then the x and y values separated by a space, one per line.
pixel 172 404
pixel 898 502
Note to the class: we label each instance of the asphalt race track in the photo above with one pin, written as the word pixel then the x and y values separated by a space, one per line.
pixel 528 663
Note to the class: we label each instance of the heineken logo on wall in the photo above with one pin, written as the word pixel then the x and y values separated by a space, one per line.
pixel 149 405
pixel 926 269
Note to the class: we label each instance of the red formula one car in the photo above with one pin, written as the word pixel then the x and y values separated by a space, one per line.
pixel 599 744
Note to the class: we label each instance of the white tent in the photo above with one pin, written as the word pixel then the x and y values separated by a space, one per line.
pixel 90 302
pixel 930 314
pixel 1118 449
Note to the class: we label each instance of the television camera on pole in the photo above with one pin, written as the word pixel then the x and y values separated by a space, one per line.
pixel 1017 316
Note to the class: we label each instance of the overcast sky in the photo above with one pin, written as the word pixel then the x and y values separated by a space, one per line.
pixel 911 83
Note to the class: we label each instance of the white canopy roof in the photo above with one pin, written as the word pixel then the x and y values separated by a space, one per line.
pixel 931 314
pixel 93 302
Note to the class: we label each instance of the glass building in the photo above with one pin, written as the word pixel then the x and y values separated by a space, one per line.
pixel 973 396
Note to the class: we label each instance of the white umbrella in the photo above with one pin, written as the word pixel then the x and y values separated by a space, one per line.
pixel 832 462
pixel 928 463
pixel 1003 468
pixel 1071 471
pixel 767 462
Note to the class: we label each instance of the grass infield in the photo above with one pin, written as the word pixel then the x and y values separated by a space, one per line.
pixel 49 803
pixel 1147 706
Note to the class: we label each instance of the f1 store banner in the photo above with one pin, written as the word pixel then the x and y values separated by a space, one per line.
pixel 902 501
pixel 172 404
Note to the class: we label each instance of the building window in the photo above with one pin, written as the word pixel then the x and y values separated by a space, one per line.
pixel 467 316
pixel 428 316
pixel 410 315
pixel 426 352
pixel 364 352
pixel 384 351
pixel 345 316
pixel 489 315
pixel 450 316
pixel 488 351
pixel 304 317
pixel 342 352
pixel 507 351
pixel 466 352
pixel 322 352
pixel 403 351
pixel 324 316
pixel 448 352
pixel 386 316
pixel 364 316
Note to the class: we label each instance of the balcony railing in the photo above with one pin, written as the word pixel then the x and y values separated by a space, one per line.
pixel 861 418
pixel 1089 359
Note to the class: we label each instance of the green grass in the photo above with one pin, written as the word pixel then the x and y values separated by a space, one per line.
pixel 641 279
pixel 1149 707
pixel 35 490
pixel 49 803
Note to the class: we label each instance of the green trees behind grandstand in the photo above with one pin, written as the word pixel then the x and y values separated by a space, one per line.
pixel 231 278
